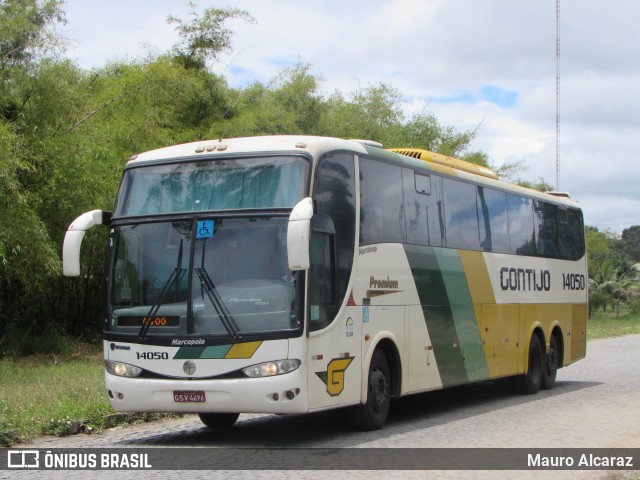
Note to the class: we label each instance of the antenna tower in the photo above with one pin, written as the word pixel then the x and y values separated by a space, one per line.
pixel 557 94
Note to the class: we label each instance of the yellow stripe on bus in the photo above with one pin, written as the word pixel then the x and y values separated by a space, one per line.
pixel 243 350
pixel 475 269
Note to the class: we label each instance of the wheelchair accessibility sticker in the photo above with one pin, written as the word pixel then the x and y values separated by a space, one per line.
pixel 204 229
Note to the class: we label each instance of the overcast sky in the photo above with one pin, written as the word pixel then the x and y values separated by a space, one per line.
pixel 486 63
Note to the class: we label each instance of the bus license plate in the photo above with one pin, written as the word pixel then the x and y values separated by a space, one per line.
pixel 188 396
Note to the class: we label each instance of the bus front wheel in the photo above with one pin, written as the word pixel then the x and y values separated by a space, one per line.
pixel 372 415
pixel 529 383
pixel 218 420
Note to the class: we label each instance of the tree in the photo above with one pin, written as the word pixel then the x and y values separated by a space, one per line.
pixel 28 257
pixel 541 185
pixel 372 113
pixel 25 32
pixel 376 113
pixel 205 36
pixel 612 276
pixel 631 242
pixel 289 104
pixel 609 282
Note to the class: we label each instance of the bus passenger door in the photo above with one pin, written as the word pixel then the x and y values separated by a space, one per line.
pixel 334 356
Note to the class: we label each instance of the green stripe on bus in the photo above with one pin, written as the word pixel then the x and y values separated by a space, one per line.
pixel 245 350
pixel 464 316
pixel 218 351
pixel 438 314
pixel 188 352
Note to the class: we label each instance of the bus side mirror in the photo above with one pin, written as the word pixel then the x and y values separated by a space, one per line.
pixel 73 239
pixel 299 235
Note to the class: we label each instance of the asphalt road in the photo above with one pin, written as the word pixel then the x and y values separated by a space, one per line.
pixel 595 404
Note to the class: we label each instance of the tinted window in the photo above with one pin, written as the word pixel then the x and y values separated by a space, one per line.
pixel 334 198
pixel 571 233
pixel 461 217
pixel 520 212
pixel 492 214
pixel 221 184
pixel 470 217
pixel 416 187
pixel 322 298
pixel 546 229
pixel 381 207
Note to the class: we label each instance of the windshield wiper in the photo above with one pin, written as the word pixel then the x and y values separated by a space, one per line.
pixel 227 320
pixel 176 275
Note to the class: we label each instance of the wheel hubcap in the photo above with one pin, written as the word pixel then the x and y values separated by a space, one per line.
pixel 380 387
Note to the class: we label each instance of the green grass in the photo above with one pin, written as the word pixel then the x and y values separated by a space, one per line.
pixel 60 395
pixel 606 325
pixel 49 394
pixel 54 395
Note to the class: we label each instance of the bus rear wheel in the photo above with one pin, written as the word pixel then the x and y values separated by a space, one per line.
pixel 530 382
pixel 218 420
pixel 372 415
pixel 551 365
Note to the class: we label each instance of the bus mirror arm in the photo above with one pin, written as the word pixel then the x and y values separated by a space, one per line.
pixel 74 236
pixel 299 235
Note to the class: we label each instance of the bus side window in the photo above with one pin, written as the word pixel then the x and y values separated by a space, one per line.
pixel 381 203
pixel 570 234
pixel 546 230
pixel 417 188
pixel 521 236
pixel 492 213
pixel 461 216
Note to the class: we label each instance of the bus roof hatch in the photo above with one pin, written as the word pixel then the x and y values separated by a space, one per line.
pixel 445 160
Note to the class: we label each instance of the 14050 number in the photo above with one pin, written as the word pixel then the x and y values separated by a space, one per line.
pixel 573 281
pixel 152 355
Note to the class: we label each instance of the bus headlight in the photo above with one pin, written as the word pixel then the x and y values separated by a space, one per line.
pixel 269 369
pixel 122 369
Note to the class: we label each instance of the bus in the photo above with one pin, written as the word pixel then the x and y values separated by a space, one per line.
pixel 295 274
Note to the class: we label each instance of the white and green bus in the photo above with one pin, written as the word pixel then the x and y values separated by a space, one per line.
pixel 290 274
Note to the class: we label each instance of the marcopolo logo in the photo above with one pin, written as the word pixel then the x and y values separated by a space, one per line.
pixel 178 342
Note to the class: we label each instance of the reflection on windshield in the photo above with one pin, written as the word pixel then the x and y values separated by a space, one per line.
pixel 247 264
pixel 222 184
pixel 239 277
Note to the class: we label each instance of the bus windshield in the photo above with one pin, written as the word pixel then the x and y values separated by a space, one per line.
pixel 221 184
pixel 214 276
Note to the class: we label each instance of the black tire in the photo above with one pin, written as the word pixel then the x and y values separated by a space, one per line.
pixel 552 363
pixel 530 382
pixel 218 420
pixel 372 415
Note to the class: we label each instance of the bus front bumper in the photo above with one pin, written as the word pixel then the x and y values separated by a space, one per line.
pixel 285 393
